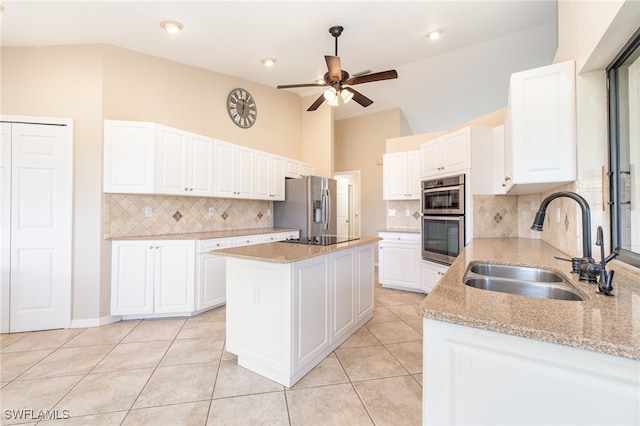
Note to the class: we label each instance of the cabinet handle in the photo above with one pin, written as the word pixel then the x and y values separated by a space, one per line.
pixel 507 178
pixel 186 189
pixel 157 247
pixel 190 189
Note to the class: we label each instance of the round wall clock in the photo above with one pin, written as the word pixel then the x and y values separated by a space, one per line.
pixel 242 108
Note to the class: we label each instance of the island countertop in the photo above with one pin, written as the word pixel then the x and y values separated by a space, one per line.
pixel 283 252
pixel 609 325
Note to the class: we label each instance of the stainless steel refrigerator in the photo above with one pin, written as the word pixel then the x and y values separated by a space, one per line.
pixel 310 206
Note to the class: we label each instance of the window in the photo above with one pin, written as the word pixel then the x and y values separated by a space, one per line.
pixel 624 155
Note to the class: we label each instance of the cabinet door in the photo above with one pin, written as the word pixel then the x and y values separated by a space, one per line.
pixel 456 151
pixel 129 157
pixel 174 276
pixel 307 169
pixel 365 281
pixel 399 265
pixel 414 189
pixel 244 172
pixel 132 277
pixel 293 169
pixel 224 173
pixel 212 280
pixel 262 186
pixel 200 170
pixel 430 275
pixel 430 161
pixel 311 316
pixel 5 224
pixel 394 176
pixel 343 293
pixel 171 161
pixel 542 124
pixel 277 178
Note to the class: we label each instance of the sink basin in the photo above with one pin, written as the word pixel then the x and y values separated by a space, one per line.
pixel 521 280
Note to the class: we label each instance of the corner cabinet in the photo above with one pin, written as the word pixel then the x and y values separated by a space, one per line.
pixel 401 176
pixel 152 277
pixel 399 261
pixel 540 130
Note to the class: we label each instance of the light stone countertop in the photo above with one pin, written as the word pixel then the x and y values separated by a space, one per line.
pixel 609 325
pixel 401 230
pixel 283 252
pixel 209 234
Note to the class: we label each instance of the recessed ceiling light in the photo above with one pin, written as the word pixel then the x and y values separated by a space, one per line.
pixel 171 26
pixel 435 34
pixel 268 62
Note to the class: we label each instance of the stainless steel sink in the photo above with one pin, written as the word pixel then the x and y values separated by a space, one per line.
pixel 522 280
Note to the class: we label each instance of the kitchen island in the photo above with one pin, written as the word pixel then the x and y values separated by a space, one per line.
pixel 290 305
pixel 496 358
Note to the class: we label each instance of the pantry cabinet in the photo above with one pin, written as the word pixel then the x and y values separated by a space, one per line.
pixel 401 175
pixel 234 170
pixel 269 177
pixel 152 277
pixel 540 130
pixel 399 261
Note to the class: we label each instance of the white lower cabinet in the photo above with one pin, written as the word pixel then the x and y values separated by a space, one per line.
pixel 152 277
pixel 430 274
pixel 399 261
pixel 475 376
pixel 211 274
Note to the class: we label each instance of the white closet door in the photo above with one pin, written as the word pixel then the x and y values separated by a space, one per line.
pixel 41 202
pixel 5 223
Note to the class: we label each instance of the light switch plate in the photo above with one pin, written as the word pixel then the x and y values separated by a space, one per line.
pixel 407 212
pixel 212 211
pixel 148 211
pixel 392 212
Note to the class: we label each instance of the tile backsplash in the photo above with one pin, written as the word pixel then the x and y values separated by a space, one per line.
pixel 401 220
pixel 124 214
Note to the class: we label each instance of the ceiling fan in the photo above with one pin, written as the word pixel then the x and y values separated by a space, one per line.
pixel 339 80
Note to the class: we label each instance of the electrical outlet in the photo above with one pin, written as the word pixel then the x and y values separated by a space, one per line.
pixel 558 215
pixel 407 212
pixel 268 212
pixel 255 295
pixel 212 211
pixel 148 211
pixel 392 212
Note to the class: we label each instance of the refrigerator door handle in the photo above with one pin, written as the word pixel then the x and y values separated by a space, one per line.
pixel 327 210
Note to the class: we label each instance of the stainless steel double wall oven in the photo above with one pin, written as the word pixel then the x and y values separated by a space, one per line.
pixel 443 223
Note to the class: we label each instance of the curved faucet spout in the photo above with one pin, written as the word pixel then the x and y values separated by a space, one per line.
pixel 586 218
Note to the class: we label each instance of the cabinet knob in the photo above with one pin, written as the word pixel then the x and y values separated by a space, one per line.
pixel 190 189
pixel 507 178
pixel 157 247
pixel 504 184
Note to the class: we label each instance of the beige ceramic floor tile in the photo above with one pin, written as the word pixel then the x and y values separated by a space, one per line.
pixel 234 380
pixel 178 383
pixel 326 405
pixel 41 394
pixel 261 409
pixel 110 334
pixel 105 392
pixel 393 401
pixel 107 419
pixel 391 299
pixel 416 325
pixel 228 356
pixel 382 314
pixel 394 332
pixel 129 356
pixel 362 337
pixel 416 298
pixel 7 339
pixel 407 312
pixel 216 314
pixel 192 351
pixel 68 362
pixel 40 340
pixel 409 354
pixel 12 364
pixel 191 413
pixel 371 362
pixel 155 329
pixel 418 378
pixel 214 330
pixel 328 372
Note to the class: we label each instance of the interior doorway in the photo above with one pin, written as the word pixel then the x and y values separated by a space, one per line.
pixel 349 203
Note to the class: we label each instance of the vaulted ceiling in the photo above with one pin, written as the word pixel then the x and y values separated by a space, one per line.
pixel 441 83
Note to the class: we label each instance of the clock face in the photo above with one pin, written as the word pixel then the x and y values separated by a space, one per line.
pixel 242 108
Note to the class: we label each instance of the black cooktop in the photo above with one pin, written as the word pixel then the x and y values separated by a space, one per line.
pixel 321 240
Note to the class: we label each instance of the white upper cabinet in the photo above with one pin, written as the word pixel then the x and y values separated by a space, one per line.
pixel 129 157
pixel 446 154
pixel 295 169
pixel 269 176
pixel 234 170
pixel 540 129
pixel 401 176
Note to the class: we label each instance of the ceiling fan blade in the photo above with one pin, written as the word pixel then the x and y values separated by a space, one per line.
pixel 333 64
pixel 359 97
pixel 314 106
pixel 376 76
pixel 291 86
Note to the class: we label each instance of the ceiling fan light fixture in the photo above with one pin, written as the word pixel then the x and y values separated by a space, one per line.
pixel 268 62
pixel 171 26
pixel 330 94
pixel 435 34
pixel 346 96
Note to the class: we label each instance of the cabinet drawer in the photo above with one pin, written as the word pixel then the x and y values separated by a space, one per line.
pixel 267 238
pixel 215 244
pixel 289 235
pixel 399 237
pixel 245 241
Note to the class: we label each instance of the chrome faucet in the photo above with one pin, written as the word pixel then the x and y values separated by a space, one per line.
pixel 586 267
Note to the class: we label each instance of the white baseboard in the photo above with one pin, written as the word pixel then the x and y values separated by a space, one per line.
pixel 95 322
